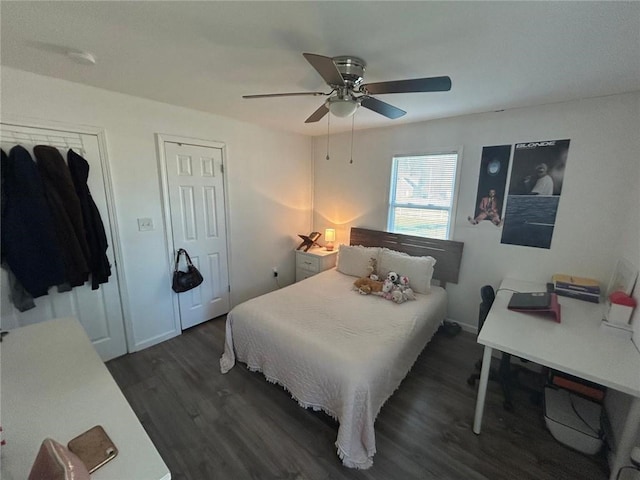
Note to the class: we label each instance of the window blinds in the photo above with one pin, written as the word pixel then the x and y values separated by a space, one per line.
pixel 422 193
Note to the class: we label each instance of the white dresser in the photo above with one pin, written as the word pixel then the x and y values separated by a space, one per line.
pixel 55 385
pixel 314 261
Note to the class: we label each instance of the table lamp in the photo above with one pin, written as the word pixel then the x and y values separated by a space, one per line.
pixel 330 237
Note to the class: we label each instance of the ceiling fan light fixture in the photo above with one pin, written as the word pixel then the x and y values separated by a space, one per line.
pixel 344 75
pixel 342 107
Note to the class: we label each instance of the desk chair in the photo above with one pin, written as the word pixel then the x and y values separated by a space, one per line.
pixel 506 374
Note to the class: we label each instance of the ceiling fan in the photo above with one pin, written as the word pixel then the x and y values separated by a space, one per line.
pixel 344 75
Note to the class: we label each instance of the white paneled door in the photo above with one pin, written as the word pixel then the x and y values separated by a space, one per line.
pixel 198 223
pixel 99 311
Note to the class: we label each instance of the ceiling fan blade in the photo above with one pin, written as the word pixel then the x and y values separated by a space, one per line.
pixel 382 108
pixel 431 84
pixel 326 68
pixel 318 114
pixel 297 94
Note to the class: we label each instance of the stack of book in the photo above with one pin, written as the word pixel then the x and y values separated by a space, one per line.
pixel 577 287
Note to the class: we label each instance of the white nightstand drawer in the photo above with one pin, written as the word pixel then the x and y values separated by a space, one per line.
pixel 308 262
pixel 314 261
pixel 303 274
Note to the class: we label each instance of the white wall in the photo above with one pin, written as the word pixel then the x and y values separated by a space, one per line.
pixel 599 199
pixel 618 403
pixel 598 217
pixel 269 183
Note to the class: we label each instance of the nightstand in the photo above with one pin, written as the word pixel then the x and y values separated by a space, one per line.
pixel 314 261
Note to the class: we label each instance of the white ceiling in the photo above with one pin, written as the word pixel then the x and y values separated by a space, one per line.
pixel 206 55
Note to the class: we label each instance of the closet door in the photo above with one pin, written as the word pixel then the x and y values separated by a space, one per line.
pixel 99 311
pixel 198 221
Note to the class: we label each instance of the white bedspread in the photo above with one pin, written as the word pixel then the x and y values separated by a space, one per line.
pixel 334 349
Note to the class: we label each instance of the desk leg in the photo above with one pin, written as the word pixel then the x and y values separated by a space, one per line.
pixel 482 389
pixel 628 438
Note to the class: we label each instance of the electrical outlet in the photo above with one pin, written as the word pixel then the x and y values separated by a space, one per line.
pixel 275 271
pixel 145 224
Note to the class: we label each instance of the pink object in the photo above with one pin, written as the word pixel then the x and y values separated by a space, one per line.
pixel 621 298
pixel 57 462
pixel 553 310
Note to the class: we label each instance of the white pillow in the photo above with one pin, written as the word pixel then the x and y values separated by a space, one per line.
pixel 354 260
pixel 418 269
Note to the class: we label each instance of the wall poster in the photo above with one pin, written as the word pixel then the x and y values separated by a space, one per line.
pixel 534 192
pixel 492 181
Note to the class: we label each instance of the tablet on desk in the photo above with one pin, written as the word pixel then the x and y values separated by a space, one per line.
pixel 530 301
pixel 536 302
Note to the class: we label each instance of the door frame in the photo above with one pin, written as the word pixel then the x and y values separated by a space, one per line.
pixel 101 134
pixel 161 138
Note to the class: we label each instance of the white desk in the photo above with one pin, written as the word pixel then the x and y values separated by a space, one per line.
pixel 577 346
pixel 55 385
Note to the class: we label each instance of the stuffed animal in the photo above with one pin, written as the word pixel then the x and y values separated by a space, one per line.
pixel 397 296
pixel 365 286
pixel 396 288
pixel 401 295
pixel 387 288
pixel 373 269
pixel 408 294
pixel 393 277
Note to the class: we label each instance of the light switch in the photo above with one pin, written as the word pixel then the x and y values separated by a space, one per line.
pixel 145 224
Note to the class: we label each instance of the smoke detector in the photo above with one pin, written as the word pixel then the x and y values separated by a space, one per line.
pixel 84 58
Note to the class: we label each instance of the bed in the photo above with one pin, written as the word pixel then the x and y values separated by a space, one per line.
pixel 340 352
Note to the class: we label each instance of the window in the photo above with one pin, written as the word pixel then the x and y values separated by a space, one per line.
pixel 422 196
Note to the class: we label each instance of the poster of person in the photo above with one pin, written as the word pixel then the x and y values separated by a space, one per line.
pixel 535 187
pixel 492 183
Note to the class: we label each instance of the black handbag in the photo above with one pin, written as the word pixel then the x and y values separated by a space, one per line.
pixel 184 281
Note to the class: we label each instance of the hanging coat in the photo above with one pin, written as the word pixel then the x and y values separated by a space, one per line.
pixel 96 235
pixel 29 244
pixel 67 215
pixel 18 295
pixel 3 173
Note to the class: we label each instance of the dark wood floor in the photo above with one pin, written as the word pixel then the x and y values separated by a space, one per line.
pixel 238 426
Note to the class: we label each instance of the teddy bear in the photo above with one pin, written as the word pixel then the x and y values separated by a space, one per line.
pixel 373 269
pixel 396 288
pixel 393 277
pixel 365 286
pixel 387 289
pixel 399 295
pixel 408 294
pixel 396 296
pixel 407 291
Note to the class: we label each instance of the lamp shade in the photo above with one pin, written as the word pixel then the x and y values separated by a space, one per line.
pixel 330 235
pixel 342 107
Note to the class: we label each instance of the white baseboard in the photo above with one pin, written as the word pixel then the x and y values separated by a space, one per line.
pixel 155 340
pixel 465 326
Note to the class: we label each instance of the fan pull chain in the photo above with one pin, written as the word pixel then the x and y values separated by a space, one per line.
pixel 353 121
pixel 328 128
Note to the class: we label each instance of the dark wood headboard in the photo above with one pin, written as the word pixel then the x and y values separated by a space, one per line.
pixel 448 253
